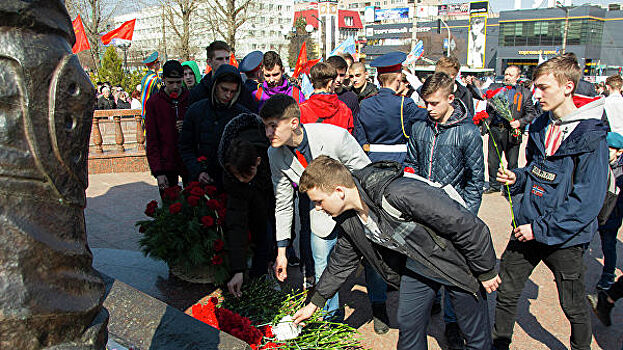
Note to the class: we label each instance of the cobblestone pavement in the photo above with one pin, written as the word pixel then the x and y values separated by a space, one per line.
pixel 117 201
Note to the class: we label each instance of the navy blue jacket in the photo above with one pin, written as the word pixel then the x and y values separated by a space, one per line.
pixel 563 193
pixel 379 122
pixel 450 153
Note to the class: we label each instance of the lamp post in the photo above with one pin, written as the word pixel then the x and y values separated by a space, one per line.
pixel 447 28
pixel 319 33
pixel 124 46
pixel 566 28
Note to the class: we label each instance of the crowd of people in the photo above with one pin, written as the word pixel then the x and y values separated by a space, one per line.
pixel 392 176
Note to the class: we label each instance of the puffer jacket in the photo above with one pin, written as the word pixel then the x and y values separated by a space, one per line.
pixel 562 194
pixel 327 108
pixel 433 230
pixel 450 153
pixel 250 206
pixel 203 126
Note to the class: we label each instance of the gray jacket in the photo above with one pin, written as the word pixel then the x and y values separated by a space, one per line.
pixel 324 139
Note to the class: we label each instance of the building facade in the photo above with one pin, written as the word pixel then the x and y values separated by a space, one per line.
pixel 269 23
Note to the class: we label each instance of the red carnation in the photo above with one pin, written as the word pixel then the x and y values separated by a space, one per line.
pixel 268 331
pixel 409 170
pixel 151 208
pixel 213 204
pixel 214 300
pixel 193 201
pixel 479 117
pixel 192 184
pixel 218 245
pixel 217 260
pixel 210 190
pixel 197 191
pixel 175 208
pixel 202 159
pixel 207 221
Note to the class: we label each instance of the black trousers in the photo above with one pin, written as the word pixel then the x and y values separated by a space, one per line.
pixel 518 261
pixel 502 138
pixel 417 295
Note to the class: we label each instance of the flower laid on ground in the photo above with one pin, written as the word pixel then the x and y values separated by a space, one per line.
pixel 253 316
pixel 185 231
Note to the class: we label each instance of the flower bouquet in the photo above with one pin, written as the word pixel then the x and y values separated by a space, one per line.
pixel 186 232
pixel 261 315
pixel 498 101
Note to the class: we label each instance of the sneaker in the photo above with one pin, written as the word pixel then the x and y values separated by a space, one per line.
pixel 454 336
pixel 601 307
pixel 492 190
pixel 605 282
pixel 294 261
pixel 309 282
pixel 380 318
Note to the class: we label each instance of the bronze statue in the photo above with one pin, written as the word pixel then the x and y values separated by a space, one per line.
pixel 50 295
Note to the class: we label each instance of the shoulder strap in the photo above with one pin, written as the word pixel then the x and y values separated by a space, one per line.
pixel 402 118
pixel 258 93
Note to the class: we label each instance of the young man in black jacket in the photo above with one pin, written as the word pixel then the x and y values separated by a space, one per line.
pixel 382 212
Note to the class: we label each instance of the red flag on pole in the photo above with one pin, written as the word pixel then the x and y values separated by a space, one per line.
pixel 301 61
pixel 309 64
pixel 124 32
pixel 232 61
pixel 82 43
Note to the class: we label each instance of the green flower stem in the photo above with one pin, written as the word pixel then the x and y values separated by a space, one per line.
pixel 497 151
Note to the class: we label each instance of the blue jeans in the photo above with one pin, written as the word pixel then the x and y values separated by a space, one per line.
pixel 377 288
pixel 415 302
pixel 321 250
pixel 608 234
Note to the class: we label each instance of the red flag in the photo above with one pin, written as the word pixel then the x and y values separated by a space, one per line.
pixel 309 64
pixel 125 32
pixel 81 37
pixel 208 69
pixel 301 61
pixel 232 61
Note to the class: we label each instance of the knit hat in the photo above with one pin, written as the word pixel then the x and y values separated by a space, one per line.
pixel 172 69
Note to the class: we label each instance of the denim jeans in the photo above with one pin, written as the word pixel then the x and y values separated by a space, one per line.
pixel 377 288
pixel 567 264
pixel 321 249
pixel 415 302
pixel 608 234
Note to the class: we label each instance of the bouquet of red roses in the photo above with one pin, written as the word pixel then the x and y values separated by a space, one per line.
pixel 186 230
pixel 498 101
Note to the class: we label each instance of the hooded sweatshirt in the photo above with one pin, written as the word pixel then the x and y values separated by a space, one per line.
pixel 193 65
pixel 563 191
pixel 327 108
pixel 203 126
pixel 262 94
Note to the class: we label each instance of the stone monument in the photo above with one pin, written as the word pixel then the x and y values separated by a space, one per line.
pixel 50 295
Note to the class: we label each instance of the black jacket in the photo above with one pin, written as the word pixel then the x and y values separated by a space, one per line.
pixel 450 154
pixel 453 243
pixel 201 91
pixel 106 103
pixel 203 126
pixel 521 106
pixel 369 90
pixel 251 205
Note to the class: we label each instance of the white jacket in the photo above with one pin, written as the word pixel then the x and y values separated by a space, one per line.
pixel 614 112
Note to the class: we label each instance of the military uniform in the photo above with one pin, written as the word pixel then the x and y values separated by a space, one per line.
pixel 250 63
pixel 385 120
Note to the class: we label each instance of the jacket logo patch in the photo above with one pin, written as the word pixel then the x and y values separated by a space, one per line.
pixel 538 190
pixel 542 174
